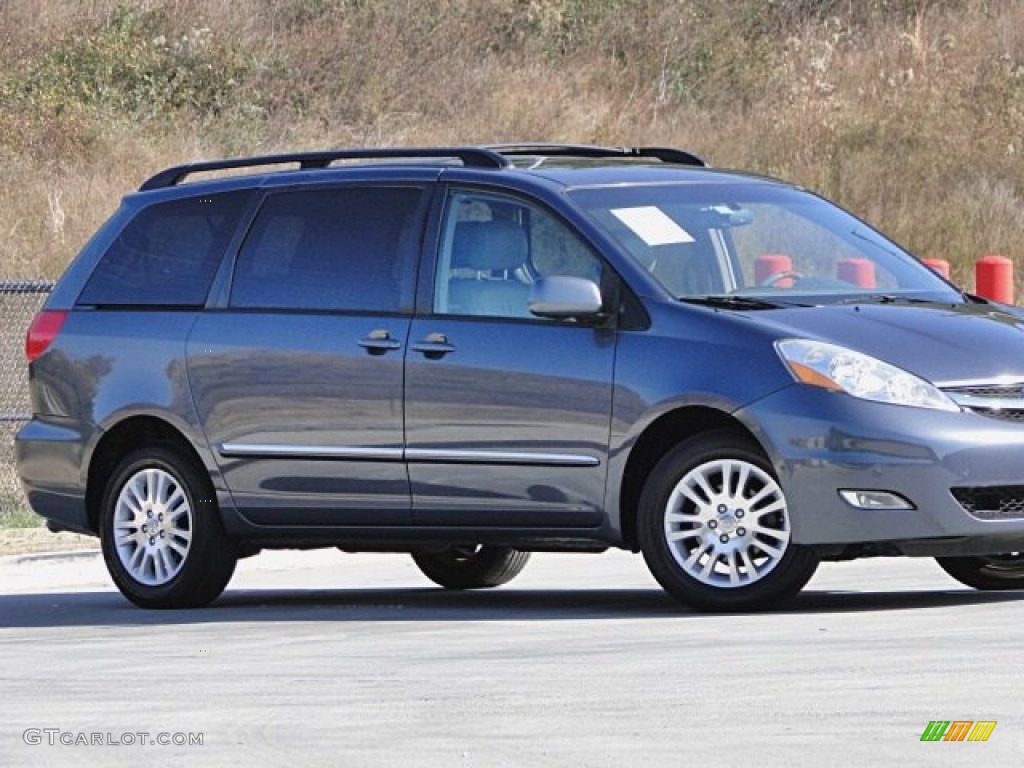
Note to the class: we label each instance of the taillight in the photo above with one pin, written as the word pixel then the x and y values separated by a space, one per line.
pixel 44 329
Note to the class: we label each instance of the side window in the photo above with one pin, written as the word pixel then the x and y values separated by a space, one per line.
pixel 167 255
pixel 493 248
pixel 348 249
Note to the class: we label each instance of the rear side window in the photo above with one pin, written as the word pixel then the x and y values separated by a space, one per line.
pixel 167 255
pixel 347 249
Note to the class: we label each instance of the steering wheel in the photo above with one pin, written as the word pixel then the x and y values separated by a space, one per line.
pixel 777 277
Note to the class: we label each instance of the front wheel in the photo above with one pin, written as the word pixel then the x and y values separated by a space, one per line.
pixel 986 573
pixel 714 527
pixel 471 566
pixel 161 532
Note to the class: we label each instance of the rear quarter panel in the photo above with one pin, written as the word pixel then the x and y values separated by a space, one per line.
pixel 106 366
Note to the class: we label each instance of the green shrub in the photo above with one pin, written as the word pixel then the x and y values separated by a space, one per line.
pixel 134 65
pixel 15 513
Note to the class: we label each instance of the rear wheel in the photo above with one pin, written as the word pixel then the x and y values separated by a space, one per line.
pixel 986 573
pixel 161 532
pixel 471 566
pixel 714 527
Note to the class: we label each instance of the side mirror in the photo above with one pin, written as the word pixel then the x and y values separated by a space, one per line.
pixel 563 297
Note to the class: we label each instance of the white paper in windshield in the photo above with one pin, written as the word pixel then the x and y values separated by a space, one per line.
pixel 652 225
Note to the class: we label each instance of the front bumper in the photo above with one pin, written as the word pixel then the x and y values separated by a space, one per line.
pixel 821 442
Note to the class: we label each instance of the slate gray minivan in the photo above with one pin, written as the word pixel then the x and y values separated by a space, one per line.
pixel 470 354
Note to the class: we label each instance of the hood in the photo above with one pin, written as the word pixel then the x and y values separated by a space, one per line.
pixel 946 344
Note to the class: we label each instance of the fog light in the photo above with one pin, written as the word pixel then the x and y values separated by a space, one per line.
pixel 875 500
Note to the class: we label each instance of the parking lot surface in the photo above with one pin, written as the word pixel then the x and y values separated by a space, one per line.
pixel 325 659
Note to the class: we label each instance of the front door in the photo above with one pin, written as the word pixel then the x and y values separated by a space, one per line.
pixel 507 414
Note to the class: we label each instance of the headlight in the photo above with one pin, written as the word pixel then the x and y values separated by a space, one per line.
pixel 844 370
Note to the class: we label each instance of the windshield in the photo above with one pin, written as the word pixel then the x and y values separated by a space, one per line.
pixel 771 242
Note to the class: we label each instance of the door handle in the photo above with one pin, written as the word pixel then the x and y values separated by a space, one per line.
pixel 434 347
pixel 379 341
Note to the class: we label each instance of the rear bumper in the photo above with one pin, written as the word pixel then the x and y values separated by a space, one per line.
pixel 49 455
pixel 821 442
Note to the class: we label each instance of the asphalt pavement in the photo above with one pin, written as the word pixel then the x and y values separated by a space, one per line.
pixel 325 659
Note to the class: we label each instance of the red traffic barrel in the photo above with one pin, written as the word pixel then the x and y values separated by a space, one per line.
pixel 938 265
pixel 860 272
pixel 993 276
pixel 768 264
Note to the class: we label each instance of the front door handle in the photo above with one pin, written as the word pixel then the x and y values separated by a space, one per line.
pixel 434 347
pixel 379 341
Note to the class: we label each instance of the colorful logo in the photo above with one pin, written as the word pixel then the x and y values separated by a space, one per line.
pixel 958 730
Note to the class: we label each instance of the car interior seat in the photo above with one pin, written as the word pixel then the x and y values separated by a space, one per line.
pixel 485 257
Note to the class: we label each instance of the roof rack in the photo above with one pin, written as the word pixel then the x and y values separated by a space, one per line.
pixel 478 157
pixel 664 154
pixel 490 156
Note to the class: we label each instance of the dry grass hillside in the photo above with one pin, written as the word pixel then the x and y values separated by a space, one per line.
pixel 908 112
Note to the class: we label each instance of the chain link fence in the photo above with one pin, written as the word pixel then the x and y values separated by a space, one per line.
pixel 19 301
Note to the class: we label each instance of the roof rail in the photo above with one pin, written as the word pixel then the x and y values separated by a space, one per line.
pixel 479 157
pixel 664 154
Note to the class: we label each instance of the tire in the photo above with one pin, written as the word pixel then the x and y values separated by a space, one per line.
pixel 986 573
pixel 471 567
pixel 714 527
pixel 189 560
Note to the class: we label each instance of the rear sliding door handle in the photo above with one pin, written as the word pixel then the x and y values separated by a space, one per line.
pixel 434 346
pixel 379 341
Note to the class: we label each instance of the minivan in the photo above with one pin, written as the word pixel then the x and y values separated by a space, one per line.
pixel 469 354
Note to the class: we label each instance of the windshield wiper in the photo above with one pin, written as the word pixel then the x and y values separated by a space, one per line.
pixel 737 302
pixel 885 298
